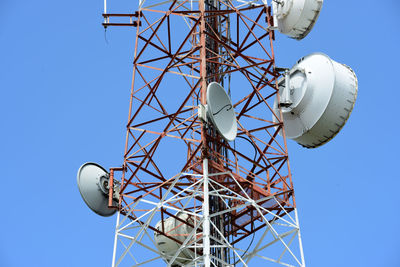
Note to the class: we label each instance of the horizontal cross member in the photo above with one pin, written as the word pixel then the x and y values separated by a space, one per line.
pixel 133 24
pixel 136 14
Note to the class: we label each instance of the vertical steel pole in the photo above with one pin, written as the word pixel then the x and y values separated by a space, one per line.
pixel 206 216
pixel 105 10
pixel 206 204
pixel 303 264
pixel 115 241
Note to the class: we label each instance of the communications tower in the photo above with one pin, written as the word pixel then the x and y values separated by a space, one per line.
pixel 205 179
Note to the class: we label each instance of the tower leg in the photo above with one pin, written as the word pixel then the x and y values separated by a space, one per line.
pixel 115 240
pixel 303 263
pixel 206 214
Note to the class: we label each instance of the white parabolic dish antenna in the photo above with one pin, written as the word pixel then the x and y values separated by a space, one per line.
pixel 296 18
pixel 322 93
pixel 221 112
pixel 91 183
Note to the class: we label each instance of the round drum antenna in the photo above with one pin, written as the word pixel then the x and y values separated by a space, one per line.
pixel 296 18
pixel 316 98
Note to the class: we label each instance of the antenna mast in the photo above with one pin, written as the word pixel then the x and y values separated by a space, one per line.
pixel 222 203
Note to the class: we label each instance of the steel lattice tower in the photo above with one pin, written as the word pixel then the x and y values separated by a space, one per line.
pixel 235 198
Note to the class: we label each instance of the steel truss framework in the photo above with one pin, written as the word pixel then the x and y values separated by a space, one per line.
pixel 279 231
pixel 238 196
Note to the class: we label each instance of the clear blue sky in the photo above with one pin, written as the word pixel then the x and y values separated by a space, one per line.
pixel 64 101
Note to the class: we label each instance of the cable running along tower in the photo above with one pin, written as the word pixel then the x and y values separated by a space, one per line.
pixel 205 179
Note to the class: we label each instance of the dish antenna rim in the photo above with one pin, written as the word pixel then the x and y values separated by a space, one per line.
pixel 216 93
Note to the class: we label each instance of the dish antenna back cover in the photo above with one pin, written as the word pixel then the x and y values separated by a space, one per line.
pixel 322 93
pixel 296 18
pixel 221 112
pixel 179 231
pixel 93 186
